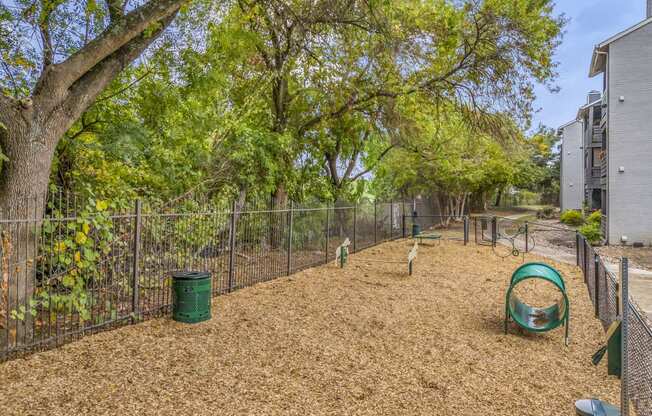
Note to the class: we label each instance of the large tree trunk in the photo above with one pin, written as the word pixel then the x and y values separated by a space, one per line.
pixel 29 146
pixel 30 129
pixel 277 217
pixel 30 149
pixel 499 197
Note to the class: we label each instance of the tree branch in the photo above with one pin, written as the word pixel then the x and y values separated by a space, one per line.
pixel 355 103
pixel 378 159
pixel 114 38
pixel 14 84
pixel 48 53
pixel 84 92
pixel 116 9
pixel 351 165
pixel 131 84
pixel 7 109
pixel 331 164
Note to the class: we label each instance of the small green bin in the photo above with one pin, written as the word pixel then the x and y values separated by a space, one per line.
pixel 416 230
pixel 191 296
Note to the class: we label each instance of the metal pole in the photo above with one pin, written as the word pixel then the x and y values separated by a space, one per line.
pixel 577 247
pixel 475 229
pixel 596 283
pixel 624 391
pixel 403 219
pixel 136 265
pixel 466 230
pixel 585 262
pixel 355 223
pixel 527 245
pixel 290 220
pixel 494 231
pixel 328 229
pixel 391 219
pixel 232 231
pixel 375 222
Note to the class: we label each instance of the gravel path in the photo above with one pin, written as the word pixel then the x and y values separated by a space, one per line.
pixel 365 340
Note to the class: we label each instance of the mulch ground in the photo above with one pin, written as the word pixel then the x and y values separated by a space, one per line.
pixel 364 340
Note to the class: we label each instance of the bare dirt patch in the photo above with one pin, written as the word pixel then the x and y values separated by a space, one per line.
pixel 365 340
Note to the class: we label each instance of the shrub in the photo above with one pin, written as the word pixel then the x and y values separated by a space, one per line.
pixel 571 217
pixel 595 217
pixel 591 230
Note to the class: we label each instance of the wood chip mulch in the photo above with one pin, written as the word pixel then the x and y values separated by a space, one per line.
pixel 365 340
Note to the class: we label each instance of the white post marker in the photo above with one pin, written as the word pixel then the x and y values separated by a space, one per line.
pixel 342 252
pixel 411 256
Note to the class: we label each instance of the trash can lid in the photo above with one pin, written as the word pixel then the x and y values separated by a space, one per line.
pixel 190 275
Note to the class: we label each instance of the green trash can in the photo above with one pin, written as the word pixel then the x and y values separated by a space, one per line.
pixel 416 230
pixel 191 296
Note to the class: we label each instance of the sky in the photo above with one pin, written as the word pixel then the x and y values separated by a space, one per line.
pixel 591 22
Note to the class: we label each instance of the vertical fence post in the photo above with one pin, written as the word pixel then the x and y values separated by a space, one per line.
pixel 475 229
pixel 403 234
pixel 375 222
pixel 355 224
pixel 466 229
pixel 391 219
pixel 585 263
pixel 527 245
pixel 494 230
pixel 328 230
pixel 596 284
pixel 135 309
pixel 577 247
pixel 624 296
pixel 290 221
pixel 232 232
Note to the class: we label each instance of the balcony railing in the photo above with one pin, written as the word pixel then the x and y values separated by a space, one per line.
pixel 603 226
pixel 603 167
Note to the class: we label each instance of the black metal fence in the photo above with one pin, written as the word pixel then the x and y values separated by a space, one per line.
pixel 81 269
pixel 87 267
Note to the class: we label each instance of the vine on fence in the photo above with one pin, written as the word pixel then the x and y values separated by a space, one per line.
pixel 70 253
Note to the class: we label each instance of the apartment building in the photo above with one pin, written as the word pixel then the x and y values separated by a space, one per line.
pixel 625 63
pixel 572 173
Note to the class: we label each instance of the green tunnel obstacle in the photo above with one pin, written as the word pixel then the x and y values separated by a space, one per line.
pixel 535 319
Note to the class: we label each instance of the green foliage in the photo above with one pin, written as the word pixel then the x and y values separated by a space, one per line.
pixel 591 230
pixel 594 218
pixel 73 254
pixel 571 217
pixel 322 103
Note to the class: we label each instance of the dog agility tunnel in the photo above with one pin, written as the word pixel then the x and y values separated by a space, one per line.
pixel 537 319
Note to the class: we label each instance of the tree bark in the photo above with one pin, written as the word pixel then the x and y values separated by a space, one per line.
pixel 499 197
pixel 31 128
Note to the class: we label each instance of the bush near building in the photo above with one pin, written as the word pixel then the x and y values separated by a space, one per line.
pixel 572 218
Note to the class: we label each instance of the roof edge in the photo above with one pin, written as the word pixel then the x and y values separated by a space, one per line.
pixel 602 48
pixel 568 124
pixel 585 107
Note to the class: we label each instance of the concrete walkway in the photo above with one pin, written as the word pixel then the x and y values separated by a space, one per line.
pixel 640 286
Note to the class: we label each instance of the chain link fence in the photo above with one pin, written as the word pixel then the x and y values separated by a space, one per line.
pixel 612 303
pixel 611 300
